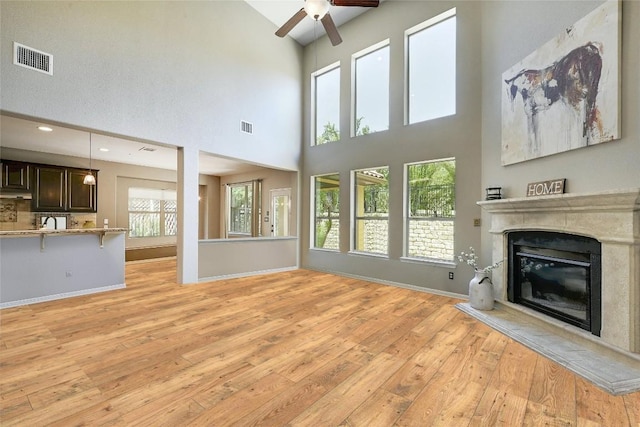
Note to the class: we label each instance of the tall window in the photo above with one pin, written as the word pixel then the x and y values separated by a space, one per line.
pixel 431 199
pixel 326 212
pixel 243 201
pixel 152 212
pixel 371 86
pixel 431 68
pixel 371 210
pixel 326 93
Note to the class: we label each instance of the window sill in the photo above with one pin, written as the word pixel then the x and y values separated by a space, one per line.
pixel 369 254
pixel 428 261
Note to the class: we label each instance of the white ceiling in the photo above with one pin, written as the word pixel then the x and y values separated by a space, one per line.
pixel 279 12
pixel 24 135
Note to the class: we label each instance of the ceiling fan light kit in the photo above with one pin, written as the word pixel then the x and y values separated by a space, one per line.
pixel 319 10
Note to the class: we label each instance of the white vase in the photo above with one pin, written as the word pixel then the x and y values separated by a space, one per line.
pixel 481 292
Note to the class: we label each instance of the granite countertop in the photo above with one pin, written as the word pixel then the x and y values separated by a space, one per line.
pixel 62 232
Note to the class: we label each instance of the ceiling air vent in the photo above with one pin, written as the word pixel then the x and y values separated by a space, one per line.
pixel 246 127
pixel 27 57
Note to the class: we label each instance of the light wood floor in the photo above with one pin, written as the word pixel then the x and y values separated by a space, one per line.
pixel 296 348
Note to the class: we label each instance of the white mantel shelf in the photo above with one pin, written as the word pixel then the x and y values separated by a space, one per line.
pixel 100 232
pixel 617 200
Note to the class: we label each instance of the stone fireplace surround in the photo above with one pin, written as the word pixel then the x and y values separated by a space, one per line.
pixel 613 218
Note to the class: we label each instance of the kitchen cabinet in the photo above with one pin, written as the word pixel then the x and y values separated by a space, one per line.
pixel 80 196
pixel 15 176
pixel 50 192
pixel 59 189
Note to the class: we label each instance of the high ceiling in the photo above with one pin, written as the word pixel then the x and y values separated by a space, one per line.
pixel 24 134
pixel 279 11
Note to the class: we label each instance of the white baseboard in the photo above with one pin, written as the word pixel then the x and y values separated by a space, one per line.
pixel 247 274
pixel 54 297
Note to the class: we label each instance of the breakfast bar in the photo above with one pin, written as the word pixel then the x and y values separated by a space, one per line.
pixel 44 265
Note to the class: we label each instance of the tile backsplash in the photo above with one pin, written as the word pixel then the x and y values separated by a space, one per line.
pixel 15 214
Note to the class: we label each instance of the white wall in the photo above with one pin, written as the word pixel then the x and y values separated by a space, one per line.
pixel 455 136
pixel 181 73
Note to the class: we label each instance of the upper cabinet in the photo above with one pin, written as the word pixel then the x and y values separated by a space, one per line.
pixel 15 176
pixel 80 196
pixel 59 189
pixel 50 189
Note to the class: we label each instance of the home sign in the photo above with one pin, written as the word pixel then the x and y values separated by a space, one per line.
pixel 546 188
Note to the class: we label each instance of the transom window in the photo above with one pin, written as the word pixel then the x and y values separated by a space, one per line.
pixel 371 90
pixel 326 93
pixel 431 68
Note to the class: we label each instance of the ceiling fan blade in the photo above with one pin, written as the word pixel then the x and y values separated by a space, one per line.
pixel 361 3
pixel 330 28
pixel 292 22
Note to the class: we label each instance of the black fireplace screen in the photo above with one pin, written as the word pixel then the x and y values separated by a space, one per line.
pixel 556 274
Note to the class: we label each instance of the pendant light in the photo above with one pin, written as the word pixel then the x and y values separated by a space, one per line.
pixel 89 179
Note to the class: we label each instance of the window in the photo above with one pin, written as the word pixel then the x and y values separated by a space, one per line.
pixel 152 212
pixel 371 86
pixel 431 199
pixel 326 212
pixel 326 93
pixel 371 210
pixel 243 201
pixel 431 68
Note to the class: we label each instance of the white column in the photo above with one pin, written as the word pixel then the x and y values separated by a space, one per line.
pixel 187 244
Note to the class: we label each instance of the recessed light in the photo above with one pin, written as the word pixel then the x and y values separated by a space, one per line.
pixel 104 149
pixel 45 128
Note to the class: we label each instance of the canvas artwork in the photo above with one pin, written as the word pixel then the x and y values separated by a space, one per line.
pixel 566 94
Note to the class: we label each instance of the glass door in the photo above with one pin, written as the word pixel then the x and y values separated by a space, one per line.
pixel 280 208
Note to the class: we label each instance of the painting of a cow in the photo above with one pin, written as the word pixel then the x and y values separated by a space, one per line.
pixel 572 100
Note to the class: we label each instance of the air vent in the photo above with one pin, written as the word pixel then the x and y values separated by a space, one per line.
pixel 150 149
pixel 33 59
pixel 246 127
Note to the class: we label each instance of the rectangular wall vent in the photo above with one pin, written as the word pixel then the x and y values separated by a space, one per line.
pixel 246 127
pixel 27 57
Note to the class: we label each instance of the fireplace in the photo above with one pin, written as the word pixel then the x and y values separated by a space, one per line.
pixel 613 219
pixel 557 274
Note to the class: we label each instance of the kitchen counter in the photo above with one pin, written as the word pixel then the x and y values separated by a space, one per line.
pixel 73 262
pixel 65 232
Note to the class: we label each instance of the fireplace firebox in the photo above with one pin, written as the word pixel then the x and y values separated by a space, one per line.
pixel 557 274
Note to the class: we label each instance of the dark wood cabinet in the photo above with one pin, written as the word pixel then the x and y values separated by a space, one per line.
pixel 50 192
pixel 80 196
pixel 53 188
pixel 15 176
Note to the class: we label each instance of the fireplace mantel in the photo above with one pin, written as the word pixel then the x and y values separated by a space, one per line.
pixel 613 218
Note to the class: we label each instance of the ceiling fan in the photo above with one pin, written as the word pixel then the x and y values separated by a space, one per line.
pixel 319 10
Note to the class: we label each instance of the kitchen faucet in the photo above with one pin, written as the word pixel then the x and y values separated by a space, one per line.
pixel 46 222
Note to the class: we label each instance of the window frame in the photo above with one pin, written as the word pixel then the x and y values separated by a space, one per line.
pixel 314 216
pixel 255 222
pixel 354 107
pixel 162 212
pixel 438 19
pixel 407 216
pixel 314 100
pixel 355 217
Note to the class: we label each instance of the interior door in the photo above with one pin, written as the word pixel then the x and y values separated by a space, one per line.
pixel 280 211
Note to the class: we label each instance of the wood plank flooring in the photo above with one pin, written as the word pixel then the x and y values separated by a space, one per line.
pixel 298 348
